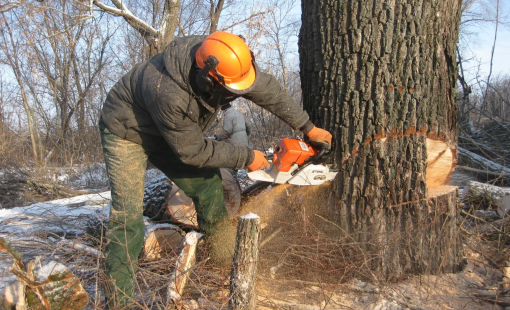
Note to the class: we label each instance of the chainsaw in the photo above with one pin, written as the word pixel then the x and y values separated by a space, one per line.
pixel 296 162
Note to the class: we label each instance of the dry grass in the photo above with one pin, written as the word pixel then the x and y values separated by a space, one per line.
pixel 306 262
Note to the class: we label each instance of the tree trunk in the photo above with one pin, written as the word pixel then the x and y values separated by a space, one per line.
pixel 214 13
pixel 244 264
pixel 381 76
pixel 168 24
pixel 13 61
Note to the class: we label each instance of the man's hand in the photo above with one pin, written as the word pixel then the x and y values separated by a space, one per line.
pixel 259 161
pixel 320 137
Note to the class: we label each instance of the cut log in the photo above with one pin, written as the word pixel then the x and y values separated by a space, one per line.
pixel 162 243
pixel 495 197
pixel 181 208
pixel 506 275
pixel 61 288
pixel 184 262
pixel 244 265
pixel 470 159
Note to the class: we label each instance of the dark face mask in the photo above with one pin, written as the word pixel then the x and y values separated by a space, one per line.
pixel 211 90
pixel 205 82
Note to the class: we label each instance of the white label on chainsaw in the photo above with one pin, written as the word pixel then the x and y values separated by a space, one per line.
pixel 303 145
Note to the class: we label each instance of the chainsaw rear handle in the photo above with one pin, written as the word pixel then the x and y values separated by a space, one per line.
pixel 311 160
pixel 317 157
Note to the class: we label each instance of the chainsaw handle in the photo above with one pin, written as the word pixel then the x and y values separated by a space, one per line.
pixel 316 157
pixel 309 161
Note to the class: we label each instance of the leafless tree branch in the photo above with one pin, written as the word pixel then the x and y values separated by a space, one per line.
pixel 123 11
pixel 246 19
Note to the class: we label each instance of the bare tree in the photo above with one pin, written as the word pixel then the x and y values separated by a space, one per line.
pixel 57 66
pixel 11 50
pixel 476 15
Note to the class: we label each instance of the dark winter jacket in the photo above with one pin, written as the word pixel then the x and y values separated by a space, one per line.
pixel 159 99
pixel 236 126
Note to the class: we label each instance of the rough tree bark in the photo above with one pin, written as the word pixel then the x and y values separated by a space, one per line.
pixel 244 264
pixel 381 76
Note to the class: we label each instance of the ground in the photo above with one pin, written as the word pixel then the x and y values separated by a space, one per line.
pixel 291 275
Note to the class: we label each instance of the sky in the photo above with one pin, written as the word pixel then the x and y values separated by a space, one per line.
pixel 479 45
pixel 479 49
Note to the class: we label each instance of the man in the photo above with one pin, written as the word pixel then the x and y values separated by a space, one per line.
pixel 235 126
pixel 158 112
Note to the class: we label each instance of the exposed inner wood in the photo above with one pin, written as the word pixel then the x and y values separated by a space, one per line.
pixel 161 242
pixel 440 190
pixel 440 163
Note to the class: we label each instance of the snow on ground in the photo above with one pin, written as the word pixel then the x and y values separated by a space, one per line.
pixel 30 227
pixel 93 176
pixel 62 216
pixel 40 228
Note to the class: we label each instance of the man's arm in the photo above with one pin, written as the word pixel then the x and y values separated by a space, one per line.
pixel 269 94
pixel 186 139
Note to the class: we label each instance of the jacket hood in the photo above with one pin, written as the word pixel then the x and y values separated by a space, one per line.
pixel 179 57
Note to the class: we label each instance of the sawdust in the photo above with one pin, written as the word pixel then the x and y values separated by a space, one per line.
pixel 448 291
pixel 221 244
pixel 298 240
pixel 306 262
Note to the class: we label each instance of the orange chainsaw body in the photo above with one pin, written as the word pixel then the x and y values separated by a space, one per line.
pixel 291 151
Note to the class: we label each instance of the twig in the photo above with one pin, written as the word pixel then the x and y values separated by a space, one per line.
pixel 248 18
pixel 276 232
pixel 78 246
pixel 484 171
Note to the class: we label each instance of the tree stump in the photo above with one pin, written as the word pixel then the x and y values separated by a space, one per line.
pixel 244 265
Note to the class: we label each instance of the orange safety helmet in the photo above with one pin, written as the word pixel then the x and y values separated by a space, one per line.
pixel 234 66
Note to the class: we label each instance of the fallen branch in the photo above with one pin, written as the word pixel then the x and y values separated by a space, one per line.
pixel 78 246
pixel 489 196
pixel 483 171
pixel 487 166
pixel 494 298
pixel 184 263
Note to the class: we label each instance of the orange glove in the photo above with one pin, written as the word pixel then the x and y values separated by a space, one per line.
pixel 320 137
pixel 259 161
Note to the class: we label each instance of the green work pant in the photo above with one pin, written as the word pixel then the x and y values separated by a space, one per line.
pixel 126 163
